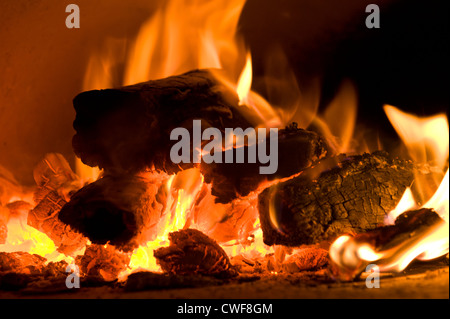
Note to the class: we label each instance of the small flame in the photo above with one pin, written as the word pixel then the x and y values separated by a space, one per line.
pixel 337 122
pixel 245 82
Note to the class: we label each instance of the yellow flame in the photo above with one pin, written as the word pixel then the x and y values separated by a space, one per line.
pixel 186 35
pixel 425 138
pixel 245 81
pixel 24 238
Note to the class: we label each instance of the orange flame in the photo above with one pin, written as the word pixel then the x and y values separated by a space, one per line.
pixel 338 121
pixel 24 238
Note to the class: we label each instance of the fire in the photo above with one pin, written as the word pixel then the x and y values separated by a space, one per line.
pixel 338 121
pixel 24 238
pixel 245 82
pixel 427 141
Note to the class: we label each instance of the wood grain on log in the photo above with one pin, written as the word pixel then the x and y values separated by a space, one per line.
pixel 340 195
pixel 122 210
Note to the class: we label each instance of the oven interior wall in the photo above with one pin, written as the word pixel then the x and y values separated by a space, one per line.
pixel 42 66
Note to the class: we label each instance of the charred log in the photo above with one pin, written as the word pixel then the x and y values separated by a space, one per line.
pixel 128 129
pixel 119 210
pixel 192 252
pixel 298 149
pixel 340 195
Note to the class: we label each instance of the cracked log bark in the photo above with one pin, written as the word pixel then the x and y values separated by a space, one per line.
pixel 339 195
pixel 127 130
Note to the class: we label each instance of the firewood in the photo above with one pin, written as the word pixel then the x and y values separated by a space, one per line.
pixel 101 262
pixel 55 181
pixel 119 210
pixel 339 195
pixel 192 252
pixel 298 149
pixel 128 129
pixel 396 238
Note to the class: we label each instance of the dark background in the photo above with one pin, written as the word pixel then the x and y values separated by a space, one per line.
pixel 404 63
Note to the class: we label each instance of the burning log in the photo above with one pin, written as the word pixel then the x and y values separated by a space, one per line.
pixel 298 149
pixel 340 195
pixel 56 182
pixel 387 241
pixel 119 210
pixel 192 252
pixel 128 129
